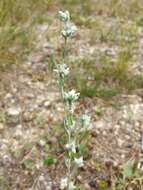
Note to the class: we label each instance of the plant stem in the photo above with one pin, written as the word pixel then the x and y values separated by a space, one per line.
pixel 64 49
pixel 68 115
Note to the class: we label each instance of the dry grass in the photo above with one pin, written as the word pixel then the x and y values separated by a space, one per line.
pixel 17 21
pixel 111 22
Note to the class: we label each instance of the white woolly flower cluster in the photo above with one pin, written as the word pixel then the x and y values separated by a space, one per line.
pixel 64 16
pixel 62 70
pixel 64 184
pixel 71 146
pixel 69 29
pixel 71 96
pixel 79 162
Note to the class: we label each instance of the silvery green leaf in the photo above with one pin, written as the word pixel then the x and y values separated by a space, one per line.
pixel 79 162
pixel 128 170
pixel 71 186
pixel 67 161
pixel 85 122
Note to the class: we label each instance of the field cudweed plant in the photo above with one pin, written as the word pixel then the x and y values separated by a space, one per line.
pixel 75 127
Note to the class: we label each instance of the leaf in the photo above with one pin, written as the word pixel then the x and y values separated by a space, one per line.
pixel 128 170
pixel 49 160
pixel 83 150
pixel 28 164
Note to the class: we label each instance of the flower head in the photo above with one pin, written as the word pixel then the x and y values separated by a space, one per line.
pixel 64 16
pixel 79 162
pixel 62 70
pixel 71 146
pixel 68 30
pixel 64 183
pixel 71 96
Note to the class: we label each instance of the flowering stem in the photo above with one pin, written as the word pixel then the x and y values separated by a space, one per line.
pixel 64 49
pixel 68 117
pixel 72 163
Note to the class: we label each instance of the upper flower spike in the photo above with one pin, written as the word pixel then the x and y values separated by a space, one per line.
pixel 69 28
pixel 64 16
